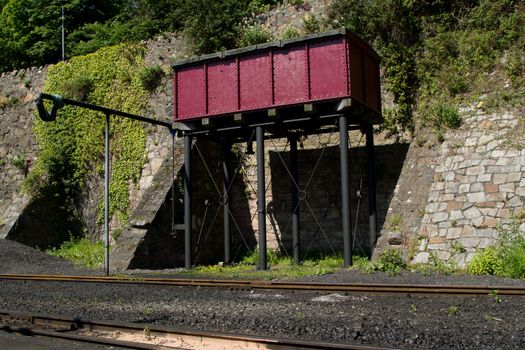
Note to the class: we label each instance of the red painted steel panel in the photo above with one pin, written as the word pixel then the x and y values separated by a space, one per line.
pixel 328 69
pixel 191 92
pixel 290 75
pixel 356 73
pixel 255 73
pixel 329 66
pixel 372 83
pixel 222 87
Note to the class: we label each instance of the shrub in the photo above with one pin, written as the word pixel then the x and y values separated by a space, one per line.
pixel 390 261
pixel 507 258
pixel 150 77
pixel 448 116
pixel 253 35
pixel 311 24
pixel 485 262
pixel 290 32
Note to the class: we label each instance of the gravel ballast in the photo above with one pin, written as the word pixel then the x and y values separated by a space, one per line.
pixel 436 322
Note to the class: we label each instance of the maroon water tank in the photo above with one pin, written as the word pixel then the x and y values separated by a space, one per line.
pixel 326 66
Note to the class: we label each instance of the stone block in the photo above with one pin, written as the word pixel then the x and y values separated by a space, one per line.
pixel 421 258
pixel 497 153
pixel 438 246
pixel 456 215
pixel 394 238
pixel 508 187
pixel 443 255
pixel 468 231
pixel 485 242
pixel 470 242
pixel 484 233
pixel 476 170
pixel 504 213
pixel 500 178
pixel 487 204
pixel 490 188
pixel 454 205
pixel 437 240
pixel 454 233
pixel 515 202
pixel 438 217
pixel 476 197
pixel 476 187
pixel 520 191
pixel 484 178
pixel 446 197
pixel 514 177
pixel 464 188
pixel 504 161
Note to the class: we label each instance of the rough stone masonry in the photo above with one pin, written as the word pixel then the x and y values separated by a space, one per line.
pixel 478 184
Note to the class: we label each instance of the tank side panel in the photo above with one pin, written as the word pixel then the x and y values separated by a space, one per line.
pixel 356 72
pixel 328 69
pixel 373 95
pixel 290 75
pixel 222 87
pixel 191 92
pixel 255 76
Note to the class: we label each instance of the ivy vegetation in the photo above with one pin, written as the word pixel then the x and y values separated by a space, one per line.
pixel 73 146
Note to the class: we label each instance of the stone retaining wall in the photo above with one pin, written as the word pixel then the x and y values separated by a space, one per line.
pixel 478 184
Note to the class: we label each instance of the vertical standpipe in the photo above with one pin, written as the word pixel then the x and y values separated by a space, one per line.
pixel 106 197
pixel 294 170
pixel 345 190
pixel 187 202
pixel 261 200
pixel 226 155
pixel 371 178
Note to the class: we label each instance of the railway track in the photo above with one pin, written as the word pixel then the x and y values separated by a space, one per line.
pixel 280 285
pixel 137 336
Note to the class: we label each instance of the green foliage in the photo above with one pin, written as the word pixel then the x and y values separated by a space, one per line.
pixel 30 29
pixel 81 252
pixel 452 310
pixel 252 35
pixel 390 261
pixel 437 50
pixel 73 145
pixel 280 266
pixel 311 24
pixel 506 259
pixel 395 222
pixel 213 25
pixel 19 162
pixel 485 262
pixel 290 32
pixel 78 88
pixel 150 77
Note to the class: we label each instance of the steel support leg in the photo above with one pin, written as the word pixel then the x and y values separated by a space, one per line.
pixel 261 201
pixel 371 178
pixel 187 202
pixel 296 241
pixel 226 155
pixel 345 191
pixel 106 197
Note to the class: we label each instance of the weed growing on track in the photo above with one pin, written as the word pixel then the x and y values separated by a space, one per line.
pixel 280 266
pixel 81 252
pixel 452 310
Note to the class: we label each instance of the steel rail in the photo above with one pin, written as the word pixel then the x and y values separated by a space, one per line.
pixel 374 288
pixel 67 328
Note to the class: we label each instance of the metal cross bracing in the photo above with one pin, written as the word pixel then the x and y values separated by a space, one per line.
pixel 292 127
